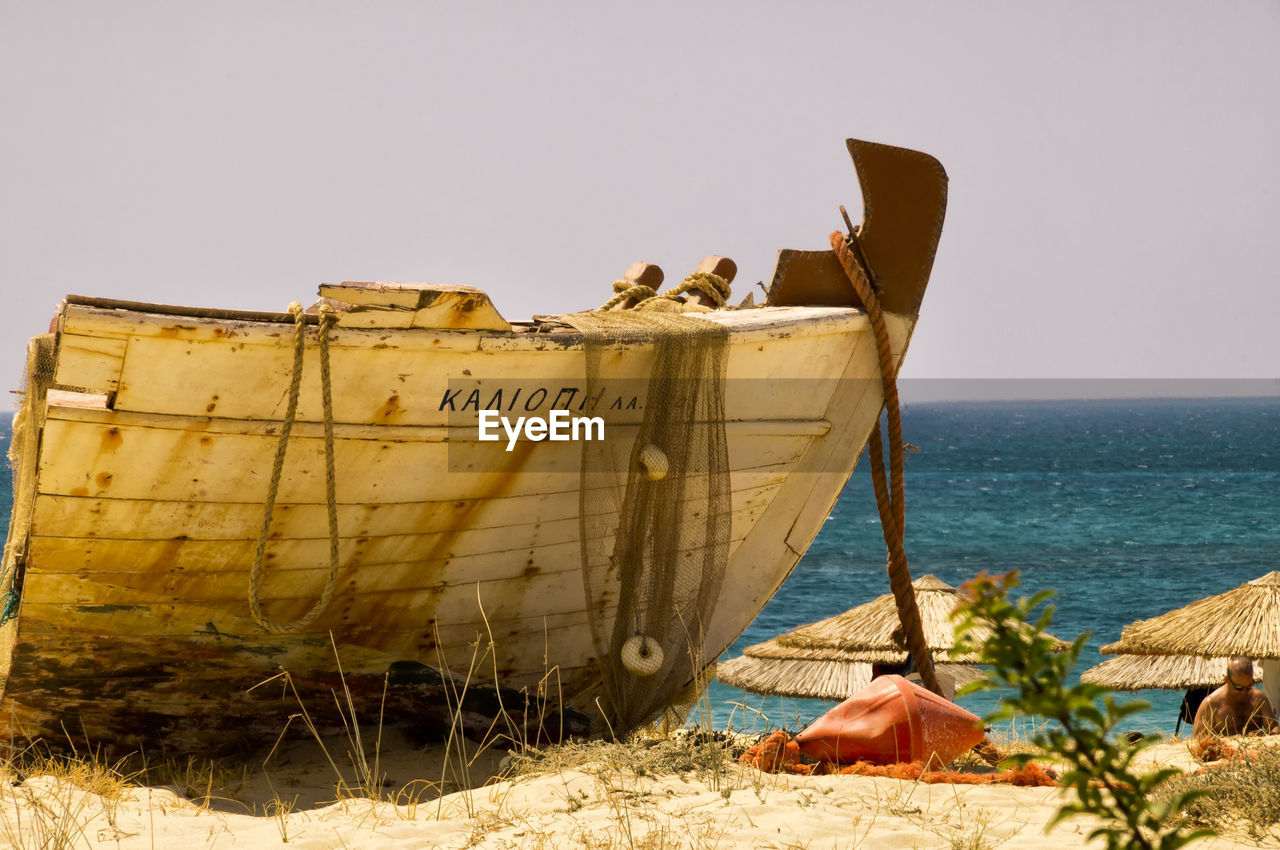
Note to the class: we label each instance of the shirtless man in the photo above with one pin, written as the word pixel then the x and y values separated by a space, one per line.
pixel 1235 708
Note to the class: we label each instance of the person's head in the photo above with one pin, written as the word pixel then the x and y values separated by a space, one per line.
pixel 1240 674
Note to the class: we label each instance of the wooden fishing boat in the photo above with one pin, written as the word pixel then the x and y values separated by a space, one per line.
pixel 191 518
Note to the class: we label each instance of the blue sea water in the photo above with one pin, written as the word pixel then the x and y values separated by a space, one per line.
pixel 1127 508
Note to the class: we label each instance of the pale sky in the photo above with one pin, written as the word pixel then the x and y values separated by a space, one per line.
pixel 1115 167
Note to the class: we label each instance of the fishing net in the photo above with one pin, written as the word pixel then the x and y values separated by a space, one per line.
pixel 655 522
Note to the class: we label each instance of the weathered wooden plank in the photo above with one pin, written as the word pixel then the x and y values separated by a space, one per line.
pixel 420 560
pixel 223 656
pixel 362 592
pixel 89 361
pixel 399 628
pixel 75 517
pixel 138 321
pixel 83 459
pixel 224 660
pixel 428 305
pixel 78 407
pixel 157 560
pixel 434 388
pixel 200 367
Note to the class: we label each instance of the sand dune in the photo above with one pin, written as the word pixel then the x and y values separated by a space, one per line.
pixel 288 801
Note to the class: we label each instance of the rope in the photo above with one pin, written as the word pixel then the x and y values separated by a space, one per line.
pixel 647 299
pixel 889 497
pixel 327 318
pixel 627 289
pixel 711 285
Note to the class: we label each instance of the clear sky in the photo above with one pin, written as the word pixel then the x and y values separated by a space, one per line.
pixel 1115 167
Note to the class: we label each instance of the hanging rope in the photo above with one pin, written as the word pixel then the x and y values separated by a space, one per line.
pixel 327 318
pixel 889 497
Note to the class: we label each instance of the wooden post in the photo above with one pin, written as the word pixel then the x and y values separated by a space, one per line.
pixel 722 266
pixel 647 274
pixel 1271 682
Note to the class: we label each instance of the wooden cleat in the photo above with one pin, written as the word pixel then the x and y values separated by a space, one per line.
pixel 648 274
pixel 644 274
pixel 722 266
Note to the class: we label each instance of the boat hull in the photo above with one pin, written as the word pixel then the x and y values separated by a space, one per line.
pixel 145 478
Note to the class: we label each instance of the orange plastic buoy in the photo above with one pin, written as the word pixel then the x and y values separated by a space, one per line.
pixel 892 720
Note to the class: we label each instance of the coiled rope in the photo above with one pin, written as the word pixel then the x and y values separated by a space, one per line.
pixel 625 289
pixel 327 318
pixel 889 497
pixel 713 286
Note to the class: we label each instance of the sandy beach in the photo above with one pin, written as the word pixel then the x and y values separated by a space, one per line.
pixel 290 799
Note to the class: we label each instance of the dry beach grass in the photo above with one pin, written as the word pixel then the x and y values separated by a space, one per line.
pixel 652 791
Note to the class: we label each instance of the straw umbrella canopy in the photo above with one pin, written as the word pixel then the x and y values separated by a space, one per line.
pixel 769 669
pixel 1127 672
pixel 873 630
pixel 1244 621
pixel 832 658
pixel 800 678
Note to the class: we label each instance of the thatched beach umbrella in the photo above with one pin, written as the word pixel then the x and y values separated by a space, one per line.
pixel 832 658
pixel 873 630
pixel 1128 672
pixel 1195 674
pixel 801 678
pixel 1244 621
pixel 830 674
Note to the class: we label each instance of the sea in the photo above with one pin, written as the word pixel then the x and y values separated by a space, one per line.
pixel 1125 508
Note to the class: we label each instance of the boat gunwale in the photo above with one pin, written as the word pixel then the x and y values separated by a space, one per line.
pixel 762 318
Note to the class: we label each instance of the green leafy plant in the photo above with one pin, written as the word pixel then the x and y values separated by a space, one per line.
pixel 1082 720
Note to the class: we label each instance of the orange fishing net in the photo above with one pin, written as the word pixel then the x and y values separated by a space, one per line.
pixel 1028 775
pixel 1210 749
pixel 779 754
pixel 774 754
